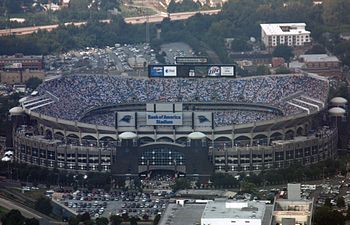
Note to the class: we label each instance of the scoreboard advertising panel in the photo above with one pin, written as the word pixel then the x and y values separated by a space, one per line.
pixel 167 71
pixel 164 118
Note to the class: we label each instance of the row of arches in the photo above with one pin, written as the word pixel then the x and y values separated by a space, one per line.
pixel 241 140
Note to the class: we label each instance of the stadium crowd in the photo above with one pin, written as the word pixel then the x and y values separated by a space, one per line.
pixel 76 94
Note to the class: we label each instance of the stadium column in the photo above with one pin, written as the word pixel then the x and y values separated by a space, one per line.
pixel 87 158
pixel 226 156
pixel 80 137
pixel 65 155
pixel 65 135
pixel 212 138
pixel 233 136
pixel 98 138
pixel 155 133
pixel 174 134
pixel 76 158
pixel 252 133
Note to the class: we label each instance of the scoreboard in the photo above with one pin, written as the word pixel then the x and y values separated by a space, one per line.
pixel 197 70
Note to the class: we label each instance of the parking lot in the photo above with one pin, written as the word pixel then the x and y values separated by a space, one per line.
pixel 112 59
pixel 176 49
pixel 100 203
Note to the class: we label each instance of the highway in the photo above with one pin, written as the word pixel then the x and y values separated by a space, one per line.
pixel 131 20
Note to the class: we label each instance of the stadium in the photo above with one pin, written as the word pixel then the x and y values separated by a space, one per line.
pixel 186 126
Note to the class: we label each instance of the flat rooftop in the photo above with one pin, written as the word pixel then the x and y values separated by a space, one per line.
pixel 319 58
pixel 234 209
pixel 284 28
pixel 189 214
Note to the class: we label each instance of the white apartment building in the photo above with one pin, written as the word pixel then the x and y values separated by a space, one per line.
pixel 291 34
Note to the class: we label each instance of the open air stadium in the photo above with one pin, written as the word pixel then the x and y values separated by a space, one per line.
pixel 187 126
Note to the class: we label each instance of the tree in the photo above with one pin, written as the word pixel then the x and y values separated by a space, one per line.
pixel 12 6
pixel 348 213
pixel 340 202
pixel 31 221
pixel 43 205
pixel 13 217
pixel 180 184
pixel 133 221
pixel 316 49
pixel 240 45
pixel 102 221
pixel 223 180
pixel 282 70
pixel 145 217
pixel 116 220
pixel 247 187
pixel 325 216
pixel 328 203
pixel 336 12
pixel 262 70
pixel 33 82
pixel 156 219
pixel 283 51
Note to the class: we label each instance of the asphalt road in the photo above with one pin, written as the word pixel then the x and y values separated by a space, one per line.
pixel 132 20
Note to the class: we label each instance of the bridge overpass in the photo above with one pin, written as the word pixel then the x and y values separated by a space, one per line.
pixel 131 20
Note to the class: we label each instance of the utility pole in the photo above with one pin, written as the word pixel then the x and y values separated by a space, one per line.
pixel 147 40
pixel 147 30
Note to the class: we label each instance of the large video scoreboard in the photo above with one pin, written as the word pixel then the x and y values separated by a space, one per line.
pixel 198 70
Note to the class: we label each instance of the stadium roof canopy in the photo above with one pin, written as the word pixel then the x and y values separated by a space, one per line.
pixel 339 100
pixel 127 135
pixel 22 99
pixel 15 111
pixel 337 111
pixel 6 159
pixel 196 135
pixel 9 153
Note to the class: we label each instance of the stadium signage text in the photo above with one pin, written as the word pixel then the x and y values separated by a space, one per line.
pixel 193 70
pixel 164 119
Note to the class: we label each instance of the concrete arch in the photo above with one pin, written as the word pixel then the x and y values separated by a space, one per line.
pixel 260 139
pixel 48 134
pixel 145 140
pixel 165 139
pixel 223 138
pixel 72 135
pixel 181 140
pixel 89 137
pixel 242 140
pixel 300 131
pixel 290 134
pixel 58 135
pixel 276 136
pixel 73 138
pixel 107 138
pixel 229 136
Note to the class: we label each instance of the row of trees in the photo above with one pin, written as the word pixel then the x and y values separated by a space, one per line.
pixel 113 220
pixel 294 173
pixel 14 217
pixel 187 6
pixel 326 214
